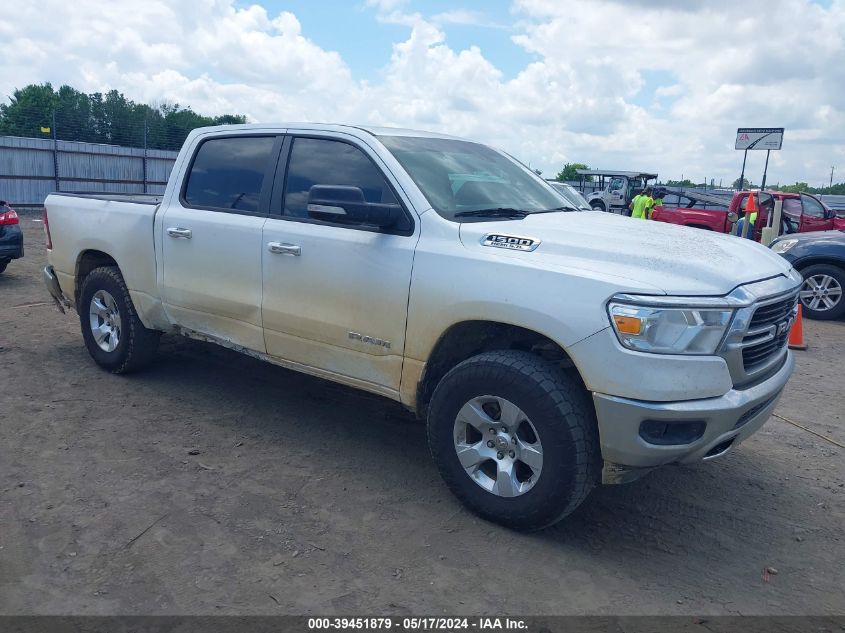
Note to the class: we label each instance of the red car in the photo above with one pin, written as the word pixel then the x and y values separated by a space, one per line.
pixel 11 238
pixel 802 213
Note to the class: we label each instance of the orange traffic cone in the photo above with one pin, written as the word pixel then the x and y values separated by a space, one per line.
pixel 796 334
pixel 750 207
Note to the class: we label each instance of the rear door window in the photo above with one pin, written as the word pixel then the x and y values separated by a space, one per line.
pixel 228 173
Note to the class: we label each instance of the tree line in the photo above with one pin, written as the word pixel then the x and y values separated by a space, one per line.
pixel 38 110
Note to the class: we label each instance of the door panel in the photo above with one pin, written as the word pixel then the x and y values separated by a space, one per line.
pixel 335 297
pixel 212 281
pixel 616 191
pixel 813 215
pixel 212 242
pixel 339 303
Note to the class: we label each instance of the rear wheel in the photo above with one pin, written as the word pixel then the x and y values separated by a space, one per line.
pixel 821 294
pixel 514 438
pixel 113 333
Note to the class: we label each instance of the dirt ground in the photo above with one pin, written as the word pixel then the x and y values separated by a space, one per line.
pixel 309 498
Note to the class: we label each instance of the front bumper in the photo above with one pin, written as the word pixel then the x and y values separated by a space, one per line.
pixel 728 419
pixel 11 243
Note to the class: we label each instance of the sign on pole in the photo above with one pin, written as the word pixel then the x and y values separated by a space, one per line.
pixel 768 138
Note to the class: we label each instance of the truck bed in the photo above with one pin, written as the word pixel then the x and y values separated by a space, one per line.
pixel 89 229
pixel 137 198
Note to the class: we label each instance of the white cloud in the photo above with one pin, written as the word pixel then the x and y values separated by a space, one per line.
pixel 465 17
pixel 586 98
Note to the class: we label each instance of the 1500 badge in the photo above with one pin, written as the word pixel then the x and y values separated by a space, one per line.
pixel 512 242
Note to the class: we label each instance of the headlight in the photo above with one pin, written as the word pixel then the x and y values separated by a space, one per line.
pixel 675 330
pixel 781 246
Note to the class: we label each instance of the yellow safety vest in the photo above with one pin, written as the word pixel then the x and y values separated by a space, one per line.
pixel 641 204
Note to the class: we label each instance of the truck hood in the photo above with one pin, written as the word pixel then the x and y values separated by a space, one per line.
pixel 676 260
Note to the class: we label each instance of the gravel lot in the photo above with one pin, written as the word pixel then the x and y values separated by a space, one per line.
pixel 213 483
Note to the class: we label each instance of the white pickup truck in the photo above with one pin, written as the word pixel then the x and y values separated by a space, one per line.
pixel 548 350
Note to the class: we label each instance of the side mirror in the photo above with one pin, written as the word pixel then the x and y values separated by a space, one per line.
pixel 347 205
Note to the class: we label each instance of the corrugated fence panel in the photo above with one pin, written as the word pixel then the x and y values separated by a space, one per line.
pixel 25 162
pixel 158 169
pixel 26 192
pixel 27 168
pixel 99 167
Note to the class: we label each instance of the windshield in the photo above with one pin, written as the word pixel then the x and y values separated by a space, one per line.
pixel 459 177
pixel 571 194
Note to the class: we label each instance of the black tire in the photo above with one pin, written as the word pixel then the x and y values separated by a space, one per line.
pixel 598 206
pixel 838 275
pixel 3 265
pixel 559 409
pixel 137 345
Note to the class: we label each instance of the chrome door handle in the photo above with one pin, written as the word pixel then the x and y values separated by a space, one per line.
pixel 174 231
pixel 283 248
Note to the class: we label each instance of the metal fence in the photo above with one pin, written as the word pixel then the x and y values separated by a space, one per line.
pixel 32 168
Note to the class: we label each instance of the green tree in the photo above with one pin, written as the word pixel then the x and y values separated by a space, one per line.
pixel 101 118
pixel 686 182
pixel 569 172
pixel 29 109
pixel 798 187
pixel 746 184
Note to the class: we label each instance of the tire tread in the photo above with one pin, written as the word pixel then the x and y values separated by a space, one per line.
pixel 565 399
pixel 142 343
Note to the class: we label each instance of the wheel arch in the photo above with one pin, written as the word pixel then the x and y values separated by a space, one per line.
pixel 466 339
pixel 87 261
pixel 806 262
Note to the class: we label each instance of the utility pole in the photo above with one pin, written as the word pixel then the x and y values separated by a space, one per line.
pixel 742 175
pixel 765 169
pixel 145 154
pixel 55 152
pixel 832 167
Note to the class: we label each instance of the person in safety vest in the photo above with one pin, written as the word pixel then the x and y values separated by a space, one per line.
pixel 642 205
pixel 752 220
pixel 633 203
pixel 657 200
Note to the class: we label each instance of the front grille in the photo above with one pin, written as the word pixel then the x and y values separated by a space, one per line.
pixel 755 355
pixel 772 313
pixel 763 340
pixel 755 343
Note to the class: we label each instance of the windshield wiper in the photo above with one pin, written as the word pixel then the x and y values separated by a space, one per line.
pixel 498 212
pixel 566 208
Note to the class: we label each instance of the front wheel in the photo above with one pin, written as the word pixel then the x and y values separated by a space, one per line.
pixel 514 438
pixel 113 333
pixel 597 206
pixel 821 294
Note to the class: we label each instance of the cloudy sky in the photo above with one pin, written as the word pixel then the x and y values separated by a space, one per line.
pixel 626 84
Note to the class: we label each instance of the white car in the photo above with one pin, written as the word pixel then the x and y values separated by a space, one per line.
pixel 572 194
pixel 548 351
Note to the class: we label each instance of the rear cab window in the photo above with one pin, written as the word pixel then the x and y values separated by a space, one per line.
pixel 229 173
